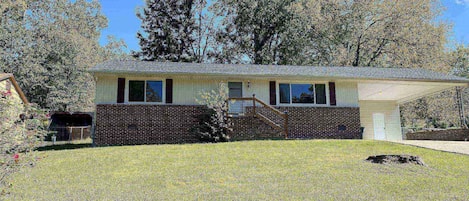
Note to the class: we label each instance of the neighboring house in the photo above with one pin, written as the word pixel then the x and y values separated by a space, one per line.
pixel 9 85
pixel 154 102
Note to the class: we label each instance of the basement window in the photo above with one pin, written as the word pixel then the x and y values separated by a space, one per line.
pixel 145 91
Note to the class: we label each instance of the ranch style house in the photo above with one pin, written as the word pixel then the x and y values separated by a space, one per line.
pixel 141 102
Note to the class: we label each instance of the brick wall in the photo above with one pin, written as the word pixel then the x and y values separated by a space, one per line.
pixel 444 135
pixel 118 124
pixel 310 122
pixel 267 113
pixel 251 128
pixel 323 122
pixel 144 124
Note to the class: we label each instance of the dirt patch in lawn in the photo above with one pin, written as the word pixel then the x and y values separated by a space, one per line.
pixel 396 159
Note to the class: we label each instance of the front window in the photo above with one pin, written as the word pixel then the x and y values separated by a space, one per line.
pixel 320 93
pixel 302 93
pixel 284 93
pixel 145 91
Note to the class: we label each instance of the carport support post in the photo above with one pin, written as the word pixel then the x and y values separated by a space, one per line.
pixel 460 102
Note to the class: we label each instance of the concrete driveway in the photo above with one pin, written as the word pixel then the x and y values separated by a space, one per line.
pixel 461 147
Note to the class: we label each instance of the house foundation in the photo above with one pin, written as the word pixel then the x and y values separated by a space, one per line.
pixel 120 124
pixel 323 122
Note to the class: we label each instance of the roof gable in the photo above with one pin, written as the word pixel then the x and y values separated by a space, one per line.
pixel 11 78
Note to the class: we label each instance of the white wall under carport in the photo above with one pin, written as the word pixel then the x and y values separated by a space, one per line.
pixel 392 119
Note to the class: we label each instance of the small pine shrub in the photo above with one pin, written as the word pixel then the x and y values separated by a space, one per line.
pixel 213 122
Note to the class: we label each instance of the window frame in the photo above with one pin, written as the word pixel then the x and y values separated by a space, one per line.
pixel 242 87
pixel 157 79
pixel 303 104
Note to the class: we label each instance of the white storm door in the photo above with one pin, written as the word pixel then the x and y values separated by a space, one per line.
pixel 379 126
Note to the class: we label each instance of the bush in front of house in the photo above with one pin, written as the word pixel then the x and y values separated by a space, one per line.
pixel 213 122
pixel 21 131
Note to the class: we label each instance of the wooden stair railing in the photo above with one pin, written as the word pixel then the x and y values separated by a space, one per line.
pixel 269 122
pixel 283 115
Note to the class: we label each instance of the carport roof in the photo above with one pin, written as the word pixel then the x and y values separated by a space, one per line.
pixel 282 71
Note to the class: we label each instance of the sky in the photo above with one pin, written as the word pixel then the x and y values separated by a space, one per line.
pixel 124 24
pixel 457 12
pixel 122 21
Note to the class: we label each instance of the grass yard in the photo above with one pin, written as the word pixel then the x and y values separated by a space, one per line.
pixel 251 170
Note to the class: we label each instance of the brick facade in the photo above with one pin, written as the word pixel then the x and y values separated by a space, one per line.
pixel 251 128
pixel 303 122
pixel 323 122
pixel 444 135
pixel 119 124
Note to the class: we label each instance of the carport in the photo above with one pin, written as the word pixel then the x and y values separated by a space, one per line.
pixel 379 102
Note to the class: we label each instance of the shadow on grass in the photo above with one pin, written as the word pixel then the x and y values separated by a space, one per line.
pixel 58 147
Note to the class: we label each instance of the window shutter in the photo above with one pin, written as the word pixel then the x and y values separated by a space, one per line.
pixel 169 90
pixel 332 97
pixel 120 90
pixel 272 92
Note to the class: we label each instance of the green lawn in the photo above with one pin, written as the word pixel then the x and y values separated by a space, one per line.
pixel 250 170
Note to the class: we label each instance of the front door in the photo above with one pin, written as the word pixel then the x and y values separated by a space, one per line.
pixel 235 90
pixel 379 126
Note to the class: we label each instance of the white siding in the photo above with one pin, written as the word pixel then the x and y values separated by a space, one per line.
pixel 346 94
pixel 185 91
pixel 390 109
pixel 106 90
pixel 14 94
pixel 186 88
pixel 3 85
pixel 258 87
